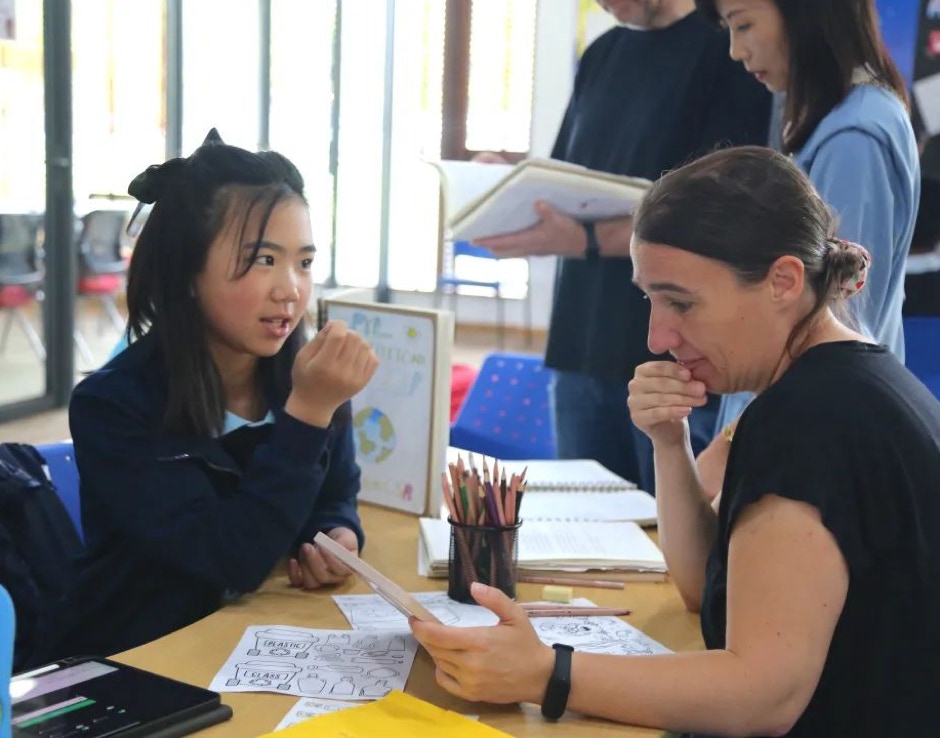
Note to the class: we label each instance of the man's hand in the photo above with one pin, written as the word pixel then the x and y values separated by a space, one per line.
pixel 554 235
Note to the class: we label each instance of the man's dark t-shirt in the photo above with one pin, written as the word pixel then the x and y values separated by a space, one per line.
pixel 644 102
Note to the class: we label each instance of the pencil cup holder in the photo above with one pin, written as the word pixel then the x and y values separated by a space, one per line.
pixel 480 553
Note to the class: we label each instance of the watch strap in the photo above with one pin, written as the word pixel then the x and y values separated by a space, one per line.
pixel 592 252
pixel 555 700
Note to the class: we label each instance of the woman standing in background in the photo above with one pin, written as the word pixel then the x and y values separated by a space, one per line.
pixel 846 122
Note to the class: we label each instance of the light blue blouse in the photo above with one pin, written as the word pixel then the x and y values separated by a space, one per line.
pixel 862 158
pixel 232 421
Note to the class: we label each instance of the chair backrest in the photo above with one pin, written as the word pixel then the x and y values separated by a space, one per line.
pixel 922 350
pixel 449 276
pixel 19 234
pixel 60 460
pixel 506 413
pixel 465 248
pixel 100 241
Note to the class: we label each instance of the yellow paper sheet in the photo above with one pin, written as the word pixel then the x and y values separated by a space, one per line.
pixel 395 714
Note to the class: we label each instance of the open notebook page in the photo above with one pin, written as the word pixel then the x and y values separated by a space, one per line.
pixel 554 544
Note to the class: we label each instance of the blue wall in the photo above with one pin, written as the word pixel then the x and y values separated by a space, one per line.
pixel 899 23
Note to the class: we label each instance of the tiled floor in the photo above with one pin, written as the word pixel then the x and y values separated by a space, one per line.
pixel 22 373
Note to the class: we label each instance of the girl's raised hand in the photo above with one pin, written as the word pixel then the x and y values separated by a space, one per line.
pixel 328 371
pixel 661 396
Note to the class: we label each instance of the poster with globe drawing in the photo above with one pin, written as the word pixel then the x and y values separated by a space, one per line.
pixel 401 419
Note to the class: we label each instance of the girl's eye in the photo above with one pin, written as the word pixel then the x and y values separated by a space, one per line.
pixel 264 260
pixel 680 307
pixel 306 264
pixel 743 27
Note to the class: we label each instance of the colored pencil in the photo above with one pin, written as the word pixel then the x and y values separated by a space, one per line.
pixel 565 611
pixel 449 499
pixel 571 581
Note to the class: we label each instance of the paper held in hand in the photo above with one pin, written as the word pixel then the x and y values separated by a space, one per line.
pixel 395 595
pixel 480 205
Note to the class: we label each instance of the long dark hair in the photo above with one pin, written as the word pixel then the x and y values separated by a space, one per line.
pixel 746 207
pixel 194 199
pixel 828 40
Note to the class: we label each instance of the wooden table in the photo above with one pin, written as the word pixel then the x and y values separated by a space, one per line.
pixel 195 653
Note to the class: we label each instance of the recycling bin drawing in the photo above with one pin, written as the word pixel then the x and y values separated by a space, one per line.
pixel 283 642
pixel 264 674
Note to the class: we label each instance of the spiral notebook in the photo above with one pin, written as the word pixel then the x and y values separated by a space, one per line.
pixel 582 490
pixel 568 475
pixel 576 490
pixel 490 199
pixel 633 505
pixel 559 475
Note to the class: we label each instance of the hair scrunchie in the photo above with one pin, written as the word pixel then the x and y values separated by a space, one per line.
pixel 853 283
pixel 157 179
pixel 154 182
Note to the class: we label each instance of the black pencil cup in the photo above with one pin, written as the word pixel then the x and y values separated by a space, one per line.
pixel 480 553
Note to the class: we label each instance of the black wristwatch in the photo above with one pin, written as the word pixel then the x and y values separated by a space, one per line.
pixel 559 684
pixel 592 252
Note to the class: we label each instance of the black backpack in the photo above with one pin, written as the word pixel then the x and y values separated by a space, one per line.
pixel 38 548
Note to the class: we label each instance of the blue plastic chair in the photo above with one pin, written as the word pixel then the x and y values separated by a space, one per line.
pixel 922 350
pixel 506 413
pixel 60 458
pixel 449 281
pixel 7 631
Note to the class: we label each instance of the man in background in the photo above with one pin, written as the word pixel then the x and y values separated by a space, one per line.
pixel 651 94
pixel 922 278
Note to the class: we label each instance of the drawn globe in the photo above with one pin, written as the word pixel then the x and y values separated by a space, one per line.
pixel 375 435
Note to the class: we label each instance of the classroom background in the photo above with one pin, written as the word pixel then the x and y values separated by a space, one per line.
pixel 360 94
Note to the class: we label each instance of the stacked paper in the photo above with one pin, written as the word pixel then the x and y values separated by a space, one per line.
pixel 559 546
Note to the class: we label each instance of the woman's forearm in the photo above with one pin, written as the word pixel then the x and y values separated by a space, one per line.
pixel 713 692
pixel 686 521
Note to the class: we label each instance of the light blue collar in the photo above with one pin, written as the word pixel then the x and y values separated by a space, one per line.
pixel 234 422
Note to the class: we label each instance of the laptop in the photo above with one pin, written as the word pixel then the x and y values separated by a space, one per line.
pixel 96 697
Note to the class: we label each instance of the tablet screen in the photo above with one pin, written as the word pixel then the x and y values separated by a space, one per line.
pixel 93 698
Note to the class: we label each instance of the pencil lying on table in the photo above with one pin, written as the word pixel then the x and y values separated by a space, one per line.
pixel 543 610
pixel 571 581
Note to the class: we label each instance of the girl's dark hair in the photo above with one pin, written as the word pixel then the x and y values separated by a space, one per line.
pixel 828 40
pixel 194 199
pixel 746 207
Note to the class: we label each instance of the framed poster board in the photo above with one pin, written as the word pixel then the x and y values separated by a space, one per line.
pixel 401 419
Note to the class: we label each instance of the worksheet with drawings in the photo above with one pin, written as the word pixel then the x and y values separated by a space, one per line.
pixel 325 664
pixel 596 634
pixel 308 707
